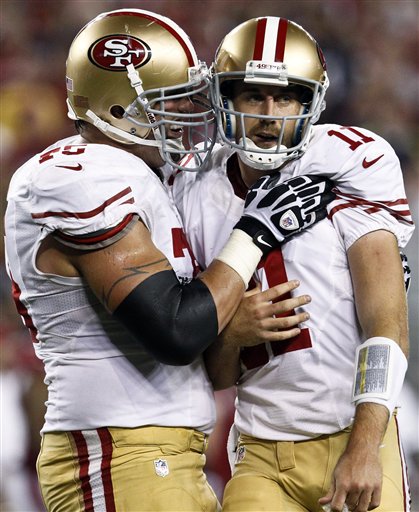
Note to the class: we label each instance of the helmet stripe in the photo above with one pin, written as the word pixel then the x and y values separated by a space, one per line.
pixel 184 41
pixel 280 41
pixel 270 40
pixel 260 38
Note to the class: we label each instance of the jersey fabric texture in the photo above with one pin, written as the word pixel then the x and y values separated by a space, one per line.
pixel 97 374
pixel 300 389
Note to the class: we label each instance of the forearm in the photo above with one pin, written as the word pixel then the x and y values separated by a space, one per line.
pixel 222 360
pixel 368 429
pixel 226 287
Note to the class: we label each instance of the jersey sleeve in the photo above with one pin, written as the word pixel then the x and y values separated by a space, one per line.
pixel 85 209
pixel 370 191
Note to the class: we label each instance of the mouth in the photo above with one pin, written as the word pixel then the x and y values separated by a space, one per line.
pixel 265 139
pixel 174 131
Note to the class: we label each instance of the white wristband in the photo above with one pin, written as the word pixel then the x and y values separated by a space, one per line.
pixel 241 254
pixel 379 372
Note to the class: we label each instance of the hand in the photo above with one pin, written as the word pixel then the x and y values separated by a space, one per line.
pixel 358 475
pixel 275 211
pixel 255 322
pixel 357 481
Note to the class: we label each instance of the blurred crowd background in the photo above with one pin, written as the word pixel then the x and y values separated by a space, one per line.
pixel 372 52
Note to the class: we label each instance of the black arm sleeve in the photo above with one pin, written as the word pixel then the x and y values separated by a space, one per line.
pixel 174 322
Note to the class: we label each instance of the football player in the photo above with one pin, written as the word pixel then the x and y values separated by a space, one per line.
pixel 315 415
pixel 103 275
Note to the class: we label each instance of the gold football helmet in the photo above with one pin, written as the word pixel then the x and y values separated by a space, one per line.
pixel 126 69
pixel 272 51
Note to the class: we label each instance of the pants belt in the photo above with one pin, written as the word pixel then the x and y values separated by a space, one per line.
pixel 183 438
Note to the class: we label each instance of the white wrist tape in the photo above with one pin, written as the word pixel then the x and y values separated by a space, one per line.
pixel 241 254
pixel 379 373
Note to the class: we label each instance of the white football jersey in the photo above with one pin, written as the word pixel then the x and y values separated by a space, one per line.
pixel 301 388
pixel 97 374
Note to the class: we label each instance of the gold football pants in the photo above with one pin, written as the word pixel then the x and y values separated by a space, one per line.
pixel 292 476
pixel 125 470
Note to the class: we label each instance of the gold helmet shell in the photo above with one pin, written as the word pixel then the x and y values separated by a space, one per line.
pixel 275 51
pixel 275 41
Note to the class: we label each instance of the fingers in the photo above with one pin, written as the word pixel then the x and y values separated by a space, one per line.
pixel 277 291
pixel 285 322
pixel 273 317
pixel 375 499
pixel 352 501
pixel 287 305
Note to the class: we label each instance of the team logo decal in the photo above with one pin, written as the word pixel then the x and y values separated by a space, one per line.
pixel 115 52
pixel 161 467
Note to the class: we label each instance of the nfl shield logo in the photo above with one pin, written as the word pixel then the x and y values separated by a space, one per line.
pixel 161 467
pixel 241 452
pixel 288 220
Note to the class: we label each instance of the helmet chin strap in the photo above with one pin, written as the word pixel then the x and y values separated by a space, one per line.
pixel 164 145
pixel 128 138
pixel 266 161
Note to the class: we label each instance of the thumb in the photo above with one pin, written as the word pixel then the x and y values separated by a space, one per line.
pixel 253 291
pixel 328 498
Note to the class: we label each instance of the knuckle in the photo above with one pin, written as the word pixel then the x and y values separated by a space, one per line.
pixel 259 316
pixel 284 323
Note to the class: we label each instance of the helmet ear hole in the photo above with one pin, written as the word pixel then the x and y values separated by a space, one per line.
pixel 117 111
pixel 229 120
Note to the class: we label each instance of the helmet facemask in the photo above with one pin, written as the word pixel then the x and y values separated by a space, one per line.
pixel 230 120
pixel 195 127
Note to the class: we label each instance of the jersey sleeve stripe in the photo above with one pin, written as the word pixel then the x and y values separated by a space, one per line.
pixel 88 214
pixel 98 236
pixel 354 199
pixel 398 208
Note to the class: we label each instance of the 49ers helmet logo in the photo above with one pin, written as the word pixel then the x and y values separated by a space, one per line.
pixel 115 52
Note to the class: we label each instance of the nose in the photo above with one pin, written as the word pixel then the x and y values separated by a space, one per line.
pixel 184 105
pixel 268 106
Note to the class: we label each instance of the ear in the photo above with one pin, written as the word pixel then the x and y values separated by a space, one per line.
pixel 229 120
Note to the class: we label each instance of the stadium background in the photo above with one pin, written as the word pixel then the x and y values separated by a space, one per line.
pixel 372 52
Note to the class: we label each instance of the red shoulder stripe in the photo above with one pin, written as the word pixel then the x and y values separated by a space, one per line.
pixel 88 214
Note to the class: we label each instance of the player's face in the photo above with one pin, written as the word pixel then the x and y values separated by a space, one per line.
pixel 176 106
pixel 270 101
pixel 151 155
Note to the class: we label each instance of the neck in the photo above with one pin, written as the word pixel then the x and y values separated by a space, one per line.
pixel 250 175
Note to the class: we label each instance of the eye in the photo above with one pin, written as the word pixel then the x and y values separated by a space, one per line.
pixel 254 98
pixel 284 99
